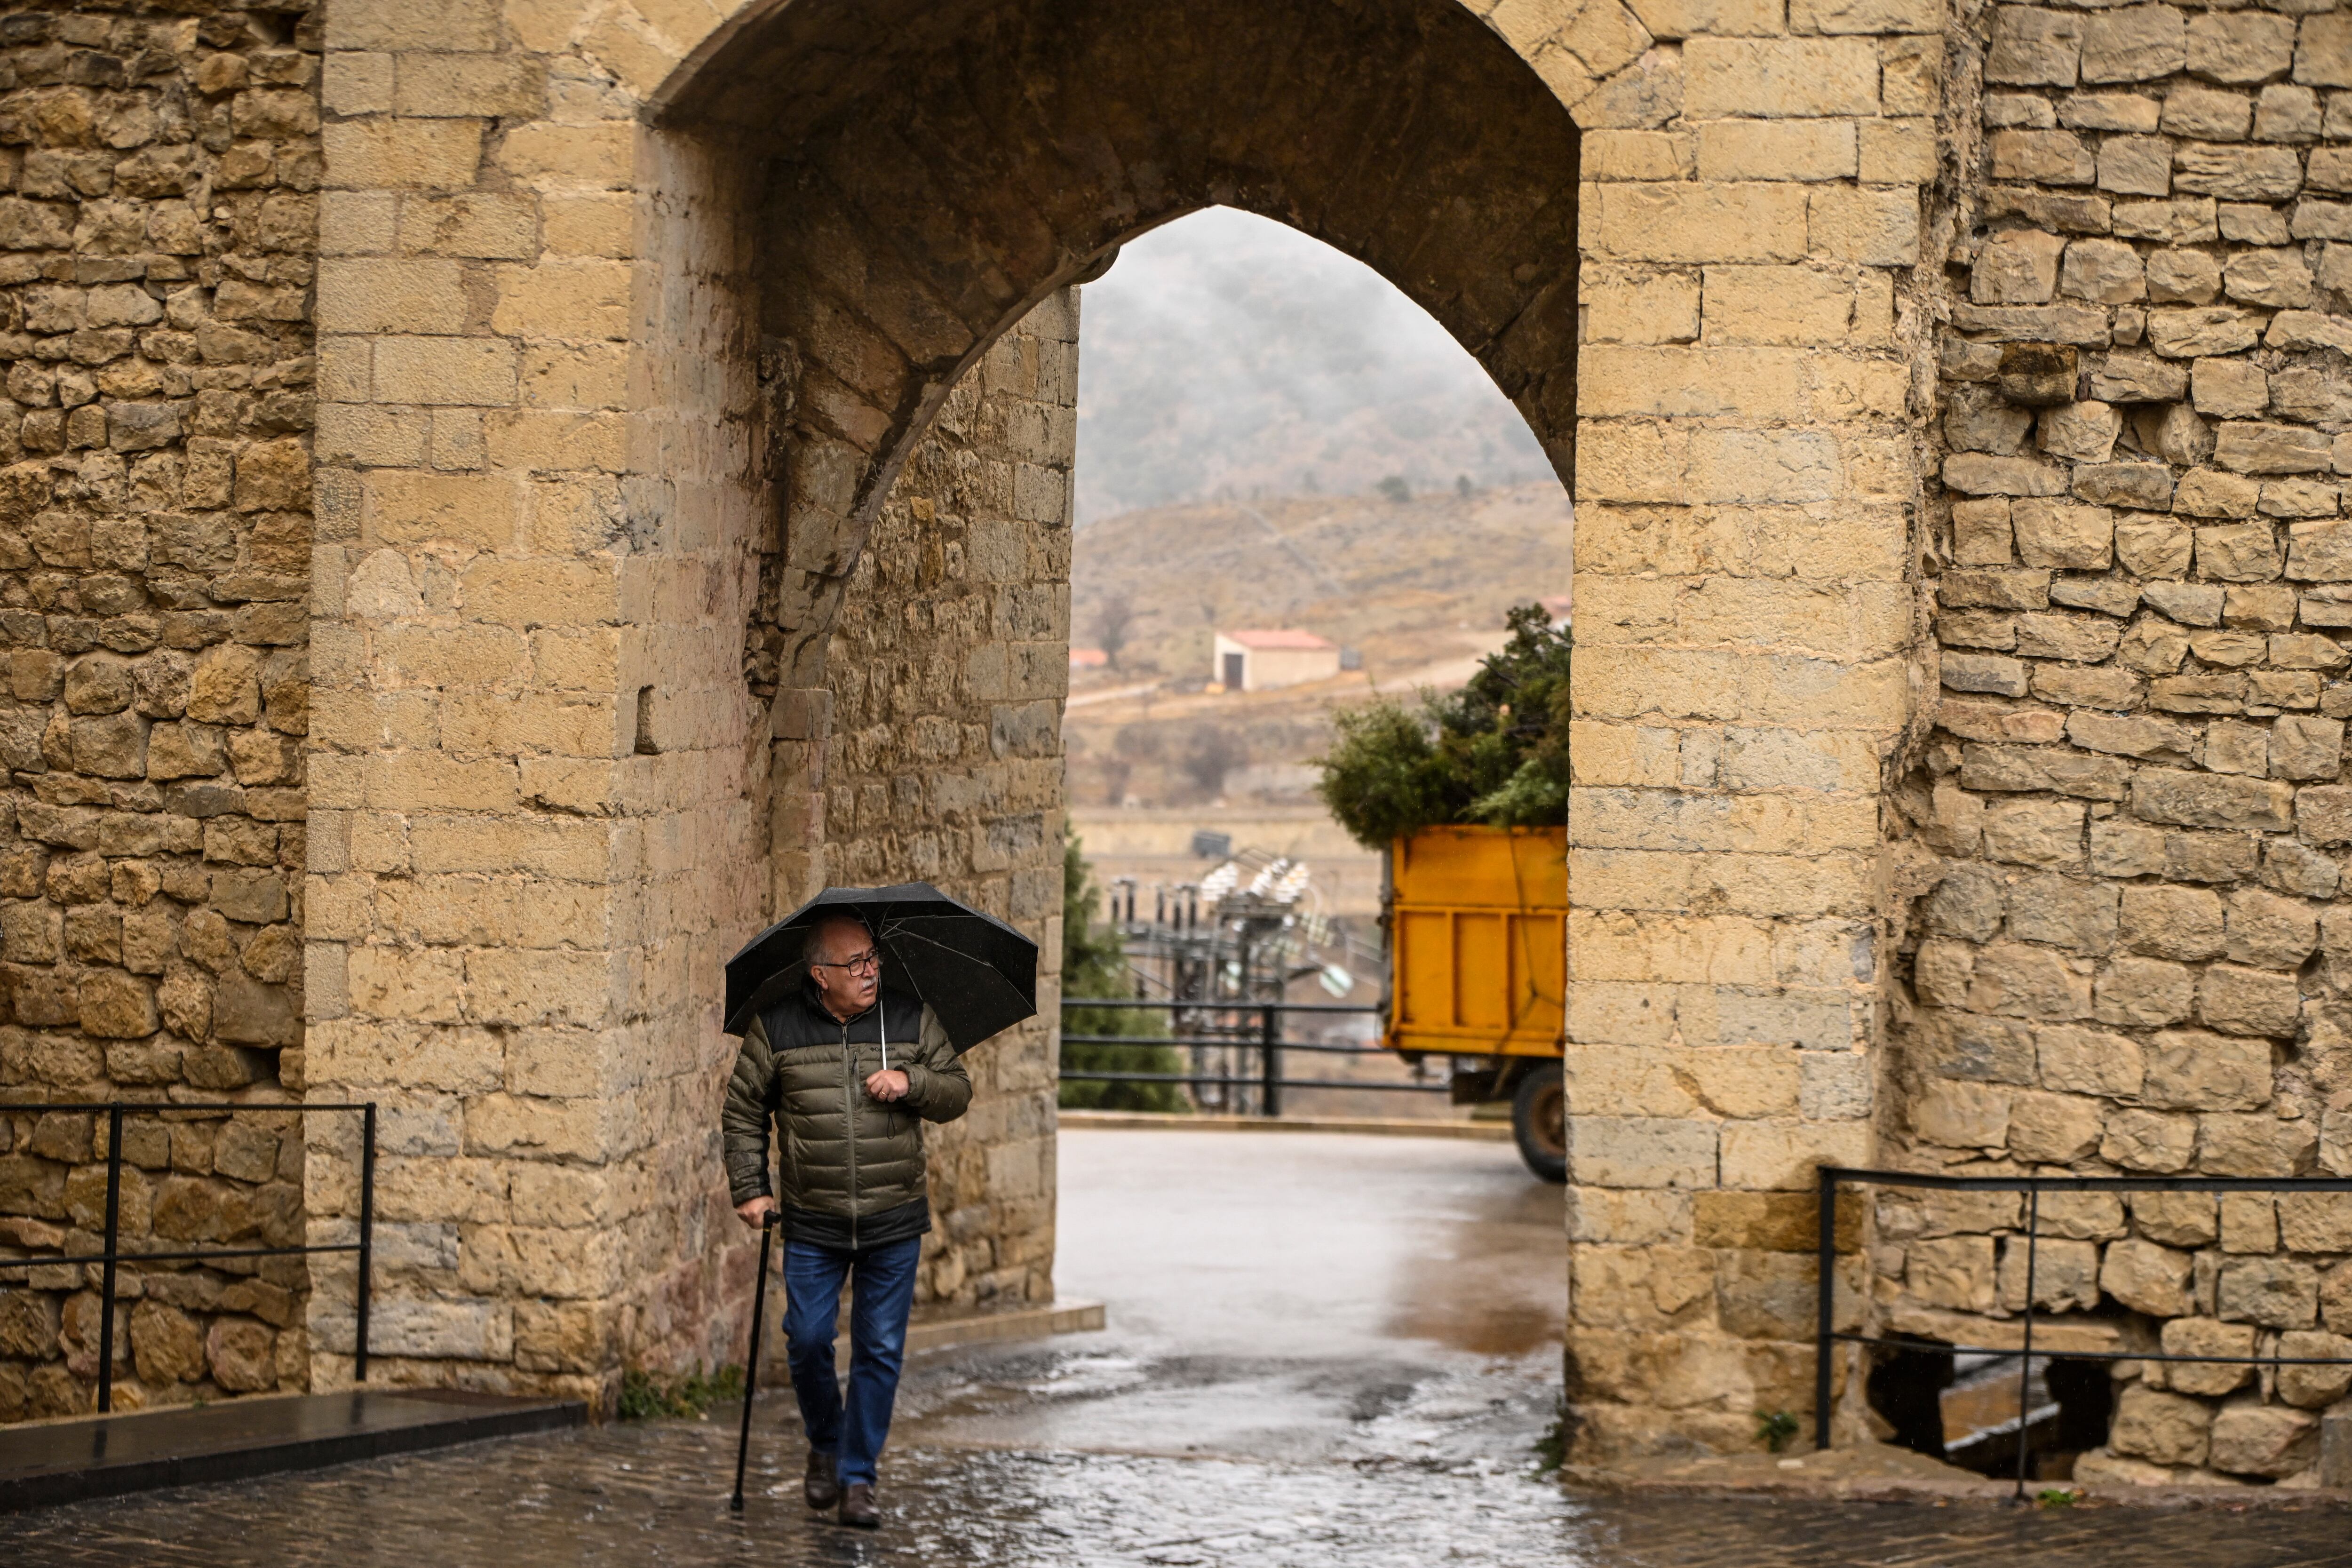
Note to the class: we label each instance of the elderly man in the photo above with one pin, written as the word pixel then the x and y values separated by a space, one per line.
pixel 850 1075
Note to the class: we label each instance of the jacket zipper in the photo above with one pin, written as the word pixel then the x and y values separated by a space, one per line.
pixel 850 1103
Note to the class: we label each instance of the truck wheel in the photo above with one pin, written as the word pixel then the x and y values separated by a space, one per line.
pixel 1539 1122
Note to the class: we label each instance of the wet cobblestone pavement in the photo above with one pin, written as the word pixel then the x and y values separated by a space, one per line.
pixel 657 1494
pixel 1359 1386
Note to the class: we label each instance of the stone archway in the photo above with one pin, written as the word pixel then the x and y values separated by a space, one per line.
pixel 629 328
pixel 907 217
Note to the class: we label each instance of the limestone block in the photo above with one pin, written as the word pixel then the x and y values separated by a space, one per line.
pixel 2056 535
pixel 2016 267
pixel 2324 814
pixel 2275 278
pixel 2272 1292
pixel 2187 332
pixel 1960 1045
pixel 1680 222
pixel 1794 150
pixel 2250 1438
pixel 2248 1001
pixel 2189 1336
pixel 2177 1219
pixel 2267 930
pixel 2319 552
pixel 2203 113
pixel 460 1330
pixel 2035 833
pixel 1955 1272
pixel 2191 1069
pixel 2055 1130
pixel 2194 800
pixel 2240 49
pixel 2323 54
pixel 1961 1116
pixel 1981 530
pixel 2043 157
pixel 362 294
pixel 2315 1387
pixel 2237 173
pixel 2246 447
pixel 2034 47
pixel 1642 1151
pixel 165 1345
pixel 1652 307
pixel 2233 1144
pixel 2148 1278
pixel 2316 1222
pixel 1873 228
pixel 2078 1060
pixel 382 153
pixel 1777 77
pixel 2291 867
pixel 243 1355
pixel 2167 1428
pixel 2103 270
pixel 2140 43
pixel 1785 1153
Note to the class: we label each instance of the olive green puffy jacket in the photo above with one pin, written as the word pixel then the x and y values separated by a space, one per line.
pixel 852 1166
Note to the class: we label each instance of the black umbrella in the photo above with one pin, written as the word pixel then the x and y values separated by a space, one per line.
pixel 979 975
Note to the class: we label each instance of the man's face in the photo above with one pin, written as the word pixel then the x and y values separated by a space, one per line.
pixel 848 969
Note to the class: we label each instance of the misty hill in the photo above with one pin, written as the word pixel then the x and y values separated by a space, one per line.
pixel 1418 587
pixel 1226 356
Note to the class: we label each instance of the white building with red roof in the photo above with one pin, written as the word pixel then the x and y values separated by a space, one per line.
pixel 1260 661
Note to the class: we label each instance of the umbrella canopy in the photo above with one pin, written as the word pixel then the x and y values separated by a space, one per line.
pixel 977 974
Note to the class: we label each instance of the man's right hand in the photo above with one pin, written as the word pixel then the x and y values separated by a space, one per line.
pixel 752 1213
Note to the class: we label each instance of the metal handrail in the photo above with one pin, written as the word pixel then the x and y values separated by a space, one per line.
pixel 1829 1178
pixel 115 1110
pixel 1263 1031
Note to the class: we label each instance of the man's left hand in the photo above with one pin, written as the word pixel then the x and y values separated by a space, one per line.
pixel 886 1085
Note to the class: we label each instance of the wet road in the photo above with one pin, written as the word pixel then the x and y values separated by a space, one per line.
pixel 1283 1297
pixel 1323 1350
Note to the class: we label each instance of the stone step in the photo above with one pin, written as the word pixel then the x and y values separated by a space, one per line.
pixel 53 1462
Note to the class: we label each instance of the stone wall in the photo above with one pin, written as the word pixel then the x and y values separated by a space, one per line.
pixel 947 667
pixel 1748 617
pixel 689 487
pixel 2126 931
pixel 162 165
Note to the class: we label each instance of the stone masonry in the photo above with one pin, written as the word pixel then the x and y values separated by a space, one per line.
pixel 568 478
pixel 163 169
pixel 2125 933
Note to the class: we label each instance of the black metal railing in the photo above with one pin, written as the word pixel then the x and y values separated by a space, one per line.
pixel 1826 1333
pixel 1239 1030
pixel 112 1255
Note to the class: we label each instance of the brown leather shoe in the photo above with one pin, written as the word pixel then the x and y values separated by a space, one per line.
pixel 819 1487
pixel 858 1510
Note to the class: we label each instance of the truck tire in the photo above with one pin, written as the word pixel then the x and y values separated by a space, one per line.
pixel 1539 1122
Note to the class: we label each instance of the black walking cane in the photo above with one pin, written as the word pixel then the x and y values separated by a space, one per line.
pixel 752 1364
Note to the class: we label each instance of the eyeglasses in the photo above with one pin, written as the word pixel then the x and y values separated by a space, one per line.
pixel 867 963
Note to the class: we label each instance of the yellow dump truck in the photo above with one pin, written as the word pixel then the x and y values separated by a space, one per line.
pixel 1476 921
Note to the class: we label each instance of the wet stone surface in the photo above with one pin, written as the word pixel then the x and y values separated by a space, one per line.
pixel 657 1494
pixel 1355 1376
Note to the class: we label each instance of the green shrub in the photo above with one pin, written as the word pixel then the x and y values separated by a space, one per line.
pixel 646 1396
pixel 1094 964
pixel 1495 752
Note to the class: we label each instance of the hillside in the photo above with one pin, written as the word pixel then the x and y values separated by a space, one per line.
pixel 1417 587
pixel 1226 356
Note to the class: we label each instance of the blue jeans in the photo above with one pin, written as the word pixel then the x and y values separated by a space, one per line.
pixel 852 1431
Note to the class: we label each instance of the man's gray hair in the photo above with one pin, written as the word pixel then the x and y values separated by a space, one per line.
pixel 813 944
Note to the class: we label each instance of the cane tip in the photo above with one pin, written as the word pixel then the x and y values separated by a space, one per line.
pixel 735 1503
